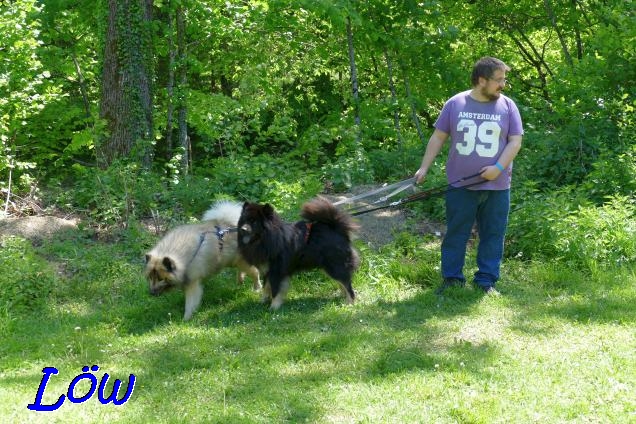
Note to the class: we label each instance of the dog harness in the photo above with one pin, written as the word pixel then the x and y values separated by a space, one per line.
pixel 308 226
pixel 221 232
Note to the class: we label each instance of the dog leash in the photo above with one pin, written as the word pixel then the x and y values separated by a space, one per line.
pixel 436 191
pixel 221 232
pixel 396 187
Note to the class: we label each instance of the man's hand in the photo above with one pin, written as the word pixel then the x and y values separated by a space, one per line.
pixel 490 172
pixel 420 175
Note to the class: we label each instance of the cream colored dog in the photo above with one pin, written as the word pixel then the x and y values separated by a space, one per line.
pixel 189 253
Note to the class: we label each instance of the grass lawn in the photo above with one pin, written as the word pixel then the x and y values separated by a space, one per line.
pixel 558 345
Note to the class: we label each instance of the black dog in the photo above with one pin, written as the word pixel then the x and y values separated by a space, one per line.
pixel 281 249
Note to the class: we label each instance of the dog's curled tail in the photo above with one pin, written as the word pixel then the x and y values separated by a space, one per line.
pixel 322 210
pixel 224 210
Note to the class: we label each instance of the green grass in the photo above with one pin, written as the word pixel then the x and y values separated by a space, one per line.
pixel 557 346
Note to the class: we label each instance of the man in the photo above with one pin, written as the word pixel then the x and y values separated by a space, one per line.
pixel 485 131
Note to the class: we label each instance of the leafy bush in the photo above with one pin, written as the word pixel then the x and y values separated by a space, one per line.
pixel 612 174
pixel 565 226
pixel 121 193
pixel 348 170
pixel 432 207
pixel 535 218
pixel 264 178
pixel 395 165
pixel 25 279
pixel 244 177
pixel 600 236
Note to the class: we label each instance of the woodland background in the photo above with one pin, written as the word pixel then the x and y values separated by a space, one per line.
pixel 115 109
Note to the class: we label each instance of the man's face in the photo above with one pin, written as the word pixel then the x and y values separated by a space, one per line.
pixel 492 87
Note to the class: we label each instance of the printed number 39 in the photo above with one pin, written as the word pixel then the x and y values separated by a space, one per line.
pixel 484 139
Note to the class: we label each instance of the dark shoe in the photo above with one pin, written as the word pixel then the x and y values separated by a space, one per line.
pixel 450 282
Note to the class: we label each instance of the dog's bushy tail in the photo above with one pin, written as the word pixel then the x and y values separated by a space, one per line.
pixel 322 210
pixel 224 210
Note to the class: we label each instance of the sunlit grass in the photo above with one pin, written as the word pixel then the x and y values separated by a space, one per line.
pixel 557 346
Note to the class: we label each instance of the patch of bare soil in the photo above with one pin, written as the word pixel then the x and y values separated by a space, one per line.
pixel 380 227
pixel 35 228
pixel 377 228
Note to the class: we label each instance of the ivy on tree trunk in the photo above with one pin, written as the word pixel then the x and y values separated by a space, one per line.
pixel 126 103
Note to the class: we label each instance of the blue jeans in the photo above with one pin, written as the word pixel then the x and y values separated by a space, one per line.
pixel 489 209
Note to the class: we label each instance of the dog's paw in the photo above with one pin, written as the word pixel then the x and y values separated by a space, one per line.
pixel 276 304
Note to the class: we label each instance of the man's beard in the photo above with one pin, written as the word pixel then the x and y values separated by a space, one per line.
pixel 491 96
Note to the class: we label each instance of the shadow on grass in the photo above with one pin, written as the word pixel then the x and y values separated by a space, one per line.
pixel 571 295
pixel 246 358
pixel 235 358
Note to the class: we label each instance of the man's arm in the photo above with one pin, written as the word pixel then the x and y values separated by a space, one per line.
pixel 505 159
pixel 435 143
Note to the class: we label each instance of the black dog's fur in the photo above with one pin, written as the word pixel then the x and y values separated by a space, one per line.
pixel 280 249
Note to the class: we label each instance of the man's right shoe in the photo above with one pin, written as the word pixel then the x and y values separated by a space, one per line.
pixel 450 282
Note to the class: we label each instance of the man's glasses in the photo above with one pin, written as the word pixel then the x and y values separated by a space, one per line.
pixel 500 81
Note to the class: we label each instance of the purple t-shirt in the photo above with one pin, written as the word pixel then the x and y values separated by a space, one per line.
pixel 479 133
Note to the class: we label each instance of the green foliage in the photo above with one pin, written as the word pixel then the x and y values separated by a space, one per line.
pixel 23 89
pixel 264 179
pixel 612 174
pixel 189 197
pixel 220 122
pixel 322 142
pixel 349 169
pixel 118 194
pixel 124 193
pixel 564 226
pixel 615 221
pixel 26 280
pixel 433 208
pixel 395 164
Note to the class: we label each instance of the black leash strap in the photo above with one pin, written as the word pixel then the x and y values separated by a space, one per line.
pixel 436 191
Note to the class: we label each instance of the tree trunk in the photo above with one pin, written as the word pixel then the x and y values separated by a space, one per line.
pixel 354 76
pixel 414 117
pixel 564 45
pixel 184 140
pixel 82 85
pixel 126 102
pixel 170 85
pixel 394 99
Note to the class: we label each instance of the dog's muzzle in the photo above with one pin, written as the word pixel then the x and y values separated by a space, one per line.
pixel 245 233
pixel 159 288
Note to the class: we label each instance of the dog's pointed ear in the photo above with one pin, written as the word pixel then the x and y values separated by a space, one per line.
pixel 169 264
pixel 245 205
pixel 268 210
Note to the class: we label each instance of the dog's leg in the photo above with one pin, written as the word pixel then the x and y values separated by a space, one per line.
pixel 279 296
pixel 347 290
pixel 251 271
pixel 343 276
pixel 193 295
pixel 256 278
pixel 266 292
